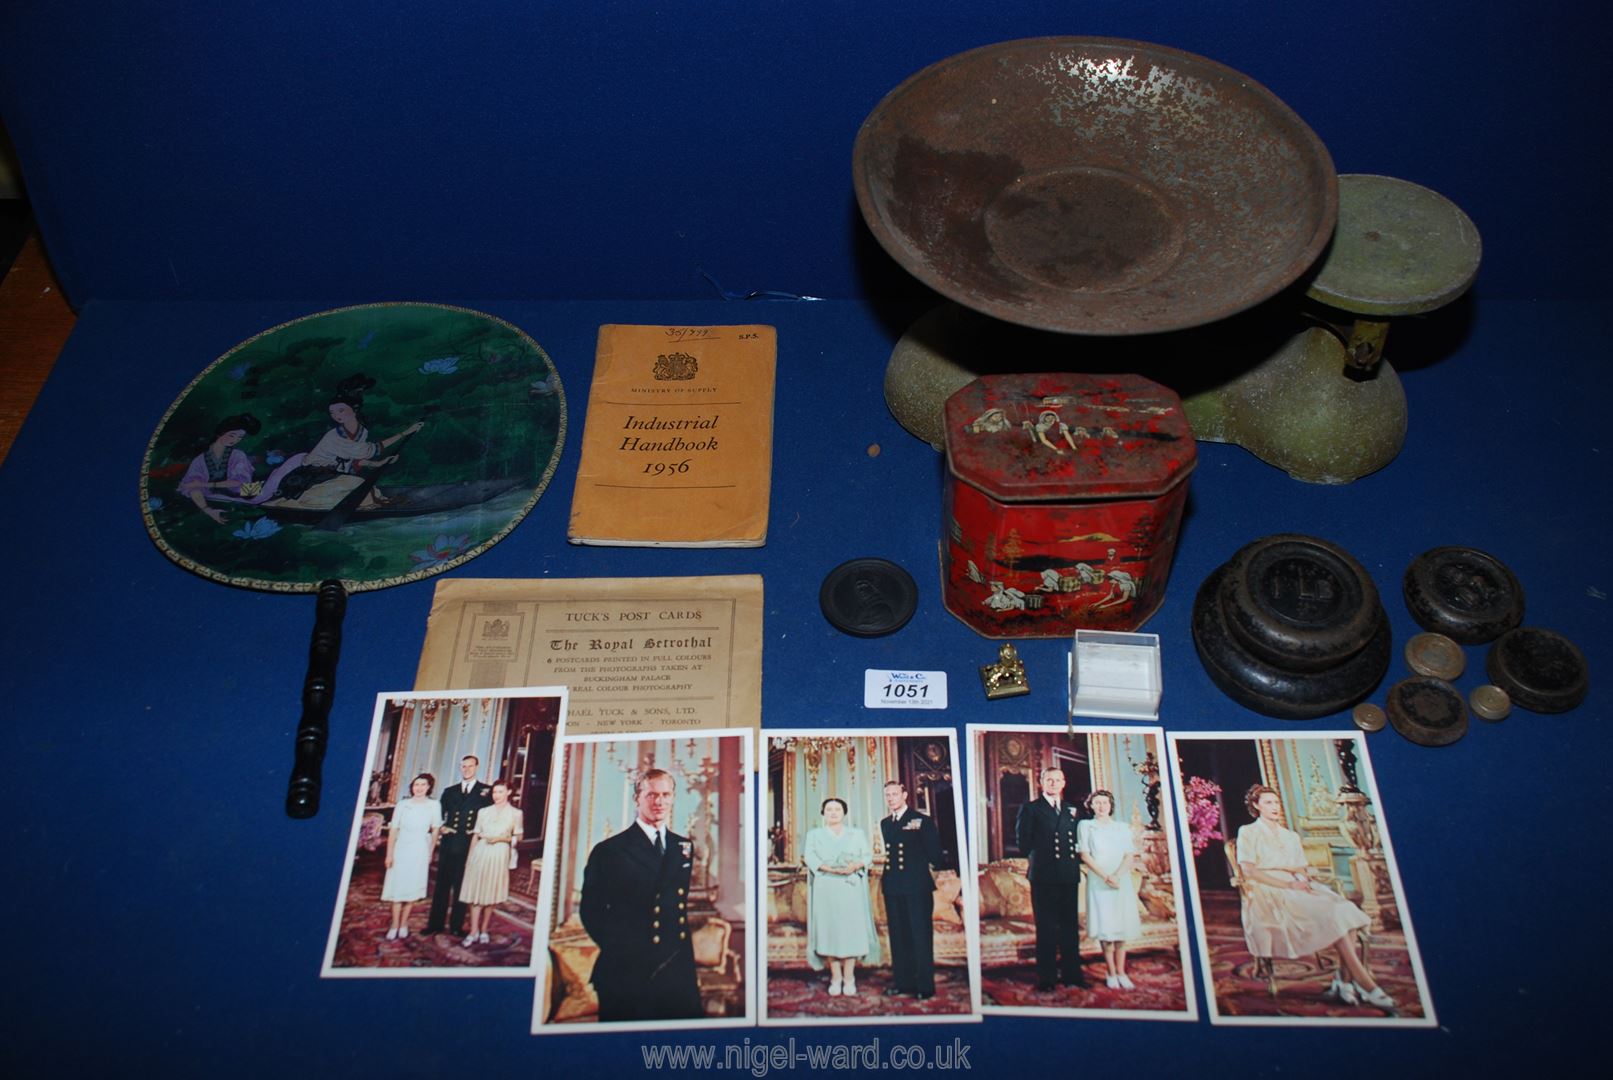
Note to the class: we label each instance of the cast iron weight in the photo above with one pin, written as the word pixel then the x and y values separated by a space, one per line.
pixel 1429 712
pixel 1541 670
pixel 1466 594
pixel 1299 602
pixel 1268 689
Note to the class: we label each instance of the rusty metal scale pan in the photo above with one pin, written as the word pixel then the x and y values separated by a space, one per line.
pixel 1094 186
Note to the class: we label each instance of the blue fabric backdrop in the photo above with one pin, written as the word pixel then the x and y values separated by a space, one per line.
pixel 202 172
pixel 505 149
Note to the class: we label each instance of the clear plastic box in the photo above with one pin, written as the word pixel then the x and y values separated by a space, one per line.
pixel 1115 675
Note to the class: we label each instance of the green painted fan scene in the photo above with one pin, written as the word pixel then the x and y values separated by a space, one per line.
pixel 374 445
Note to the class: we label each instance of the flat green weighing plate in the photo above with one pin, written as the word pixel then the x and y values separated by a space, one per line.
pixel 1399 249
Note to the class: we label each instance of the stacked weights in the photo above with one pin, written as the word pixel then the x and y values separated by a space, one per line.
pixel 1291 626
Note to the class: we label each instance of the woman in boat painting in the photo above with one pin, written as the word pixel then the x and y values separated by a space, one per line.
pixel 345 449
pixel 221 471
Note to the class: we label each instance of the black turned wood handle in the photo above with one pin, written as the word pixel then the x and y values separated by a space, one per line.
pixel 318 694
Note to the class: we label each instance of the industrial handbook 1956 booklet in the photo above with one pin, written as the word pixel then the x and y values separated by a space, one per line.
pixel 677 447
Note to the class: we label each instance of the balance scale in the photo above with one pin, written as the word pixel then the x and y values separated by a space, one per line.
pixel 1144 199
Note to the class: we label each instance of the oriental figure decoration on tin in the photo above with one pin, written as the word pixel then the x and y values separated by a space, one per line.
pixel 1063 502
pixel 368 443
pixel 1081 590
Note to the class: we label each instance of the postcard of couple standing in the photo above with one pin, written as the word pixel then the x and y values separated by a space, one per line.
pixel 1081 911
pixel 443 861
pixel 870 901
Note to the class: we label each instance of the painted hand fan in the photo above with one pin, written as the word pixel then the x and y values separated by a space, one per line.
pixel 350 450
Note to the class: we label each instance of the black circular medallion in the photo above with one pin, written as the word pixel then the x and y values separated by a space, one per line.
pixel 868 597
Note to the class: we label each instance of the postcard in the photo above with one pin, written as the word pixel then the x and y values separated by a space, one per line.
pixel 645 922
pixel 444 860
pixel 638 654
pixel 871 908
pixel 1301 915
pixel 1081 908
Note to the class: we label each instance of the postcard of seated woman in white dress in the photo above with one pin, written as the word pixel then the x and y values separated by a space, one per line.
pixel 1302 917
pixel 443 864
pixel 870 898
pixel 645 923
pixel 1081 907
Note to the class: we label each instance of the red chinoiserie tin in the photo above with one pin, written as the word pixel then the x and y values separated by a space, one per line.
pixel 1062 502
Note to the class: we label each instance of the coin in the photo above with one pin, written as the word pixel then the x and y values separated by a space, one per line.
pixel 1489 703
pixel 1429 712
pixel 1436 656
pixel 1368 717
pixel 868 597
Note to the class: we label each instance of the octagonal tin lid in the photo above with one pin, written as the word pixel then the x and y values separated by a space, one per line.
pixel 1053 437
